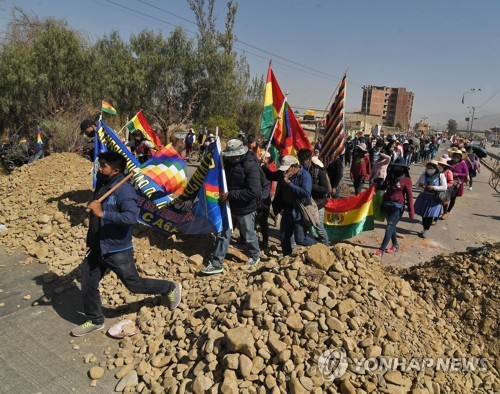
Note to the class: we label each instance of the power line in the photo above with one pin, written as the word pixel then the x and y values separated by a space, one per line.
pixel 335 77
pixel 490 98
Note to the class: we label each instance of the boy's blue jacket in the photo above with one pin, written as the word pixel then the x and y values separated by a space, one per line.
pixel 120 214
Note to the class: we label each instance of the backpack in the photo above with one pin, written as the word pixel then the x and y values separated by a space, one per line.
pixel 315 177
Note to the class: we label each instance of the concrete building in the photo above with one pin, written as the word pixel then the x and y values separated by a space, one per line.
pixel 394 105
pixel 355 121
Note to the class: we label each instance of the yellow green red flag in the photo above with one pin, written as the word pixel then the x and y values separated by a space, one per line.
pixel 347 217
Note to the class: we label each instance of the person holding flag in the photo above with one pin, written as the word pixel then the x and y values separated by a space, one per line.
pixel 109 242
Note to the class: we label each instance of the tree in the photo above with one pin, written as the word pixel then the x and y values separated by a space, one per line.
pixel 452 126
pixel 398 126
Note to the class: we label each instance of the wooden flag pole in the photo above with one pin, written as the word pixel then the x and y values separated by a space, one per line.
pixel 107 194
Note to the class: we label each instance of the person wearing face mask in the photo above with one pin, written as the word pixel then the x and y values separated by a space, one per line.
pixel 460 173
pixel 427 204
pixel 444 167
pixel 398 187
pixel 294 188
pixel 244 193
pixel 109 242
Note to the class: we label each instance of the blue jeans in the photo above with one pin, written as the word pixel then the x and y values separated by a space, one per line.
pixel 246 224
pixel 393 216
pixel 322 236
pixel 290 227
pixel 123 265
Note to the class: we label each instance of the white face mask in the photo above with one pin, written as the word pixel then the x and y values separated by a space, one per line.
pixel 430 171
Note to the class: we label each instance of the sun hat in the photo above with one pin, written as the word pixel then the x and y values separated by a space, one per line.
pixel 235 147
pixel 433 162
pixel 287 161
pixel 443 162
pixel 454 151
pixel 362 146
pixel 317 161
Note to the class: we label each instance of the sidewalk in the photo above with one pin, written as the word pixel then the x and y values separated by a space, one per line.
pixel 37 350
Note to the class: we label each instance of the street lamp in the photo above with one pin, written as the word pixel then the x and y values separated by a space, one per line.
pixel 475 91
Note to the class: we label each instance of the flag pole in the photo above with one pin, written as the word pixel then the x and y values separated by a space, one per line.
pixel 276 123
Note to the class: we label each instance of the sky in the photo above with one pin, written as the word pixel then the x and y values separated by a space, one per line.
pixel 437 49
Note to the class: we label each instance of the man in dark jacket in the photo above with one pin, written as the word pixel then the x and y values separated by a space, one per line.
pixel 320 188
pixel 294 189
pixel 109 240
pixel 244 192
pixel 335 172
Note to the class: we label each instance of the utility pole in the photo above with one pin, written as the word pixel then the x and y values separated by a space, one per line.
pixel 475 91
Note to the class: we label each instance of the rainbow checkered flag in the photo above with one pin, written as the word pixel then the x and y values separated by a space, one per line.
pixel 167 169
pixel 39 137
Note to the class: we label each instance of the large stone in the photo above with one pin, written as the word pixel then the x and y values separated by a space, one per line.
pixel 320 256
pixel 254 300
pixel 96 373
pixel 226 298
pixel 346 306
pixel 240 340
pixel 46 231
pixel 245 365
pixel 294 322
pixel 202 384
pixel 129 380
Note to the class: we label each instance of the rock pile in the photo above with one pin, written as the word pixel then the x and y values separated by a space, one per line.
pixel 273 328
pixel 464 290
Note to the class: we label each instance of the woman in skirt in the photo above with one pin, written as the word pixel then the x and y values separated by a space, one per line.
pixel 427 204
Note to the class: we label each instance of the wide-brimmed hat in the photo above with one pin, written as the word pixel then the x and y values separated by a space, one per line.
pixel 287 161
pixel 190 131
pixel 454 151
pixel 235 147
pixel 399 162
pixel 433 162
pixel 362 146
pixel 265 155
pixel 317 161
pixel 443 162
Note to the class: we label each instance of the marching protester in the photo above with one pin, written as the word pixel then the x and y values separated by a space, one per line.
pixel 398 193
pixel 360 167
pixel 473 164
pixel 444 167
pixel 294 189
pixel 349 148
pixel 427 205
pixel 335 173
pixel 189 141
pixel 88 129
pixel 109 242
pixel 244 191
pixel 460 173
pixel 140 146
pixel 379 169
pixel 320 188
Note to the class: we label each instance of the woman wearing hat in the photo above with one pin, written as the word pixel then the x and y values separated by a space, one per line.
pixel 360 167
pixel 398 187
pixel 444 167
pixel 427 204
pixel 460 174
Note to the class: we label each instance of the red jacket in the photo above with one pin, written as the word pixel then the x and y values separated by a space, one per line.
pixel 360 167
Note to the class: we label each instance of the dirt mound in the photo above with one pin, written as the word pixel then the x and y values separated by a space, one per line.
pixel 464 289
pixel 324 319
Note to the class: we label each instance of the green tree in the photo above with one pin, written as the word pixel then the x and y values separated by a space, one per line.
pixel 452 126
pixel 227 126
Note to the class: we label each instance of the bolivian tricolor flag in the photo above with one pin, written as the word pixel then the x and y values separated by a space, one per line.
pixel 289 136
pixel 139 122
pixel 108 108
pixel 347 217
